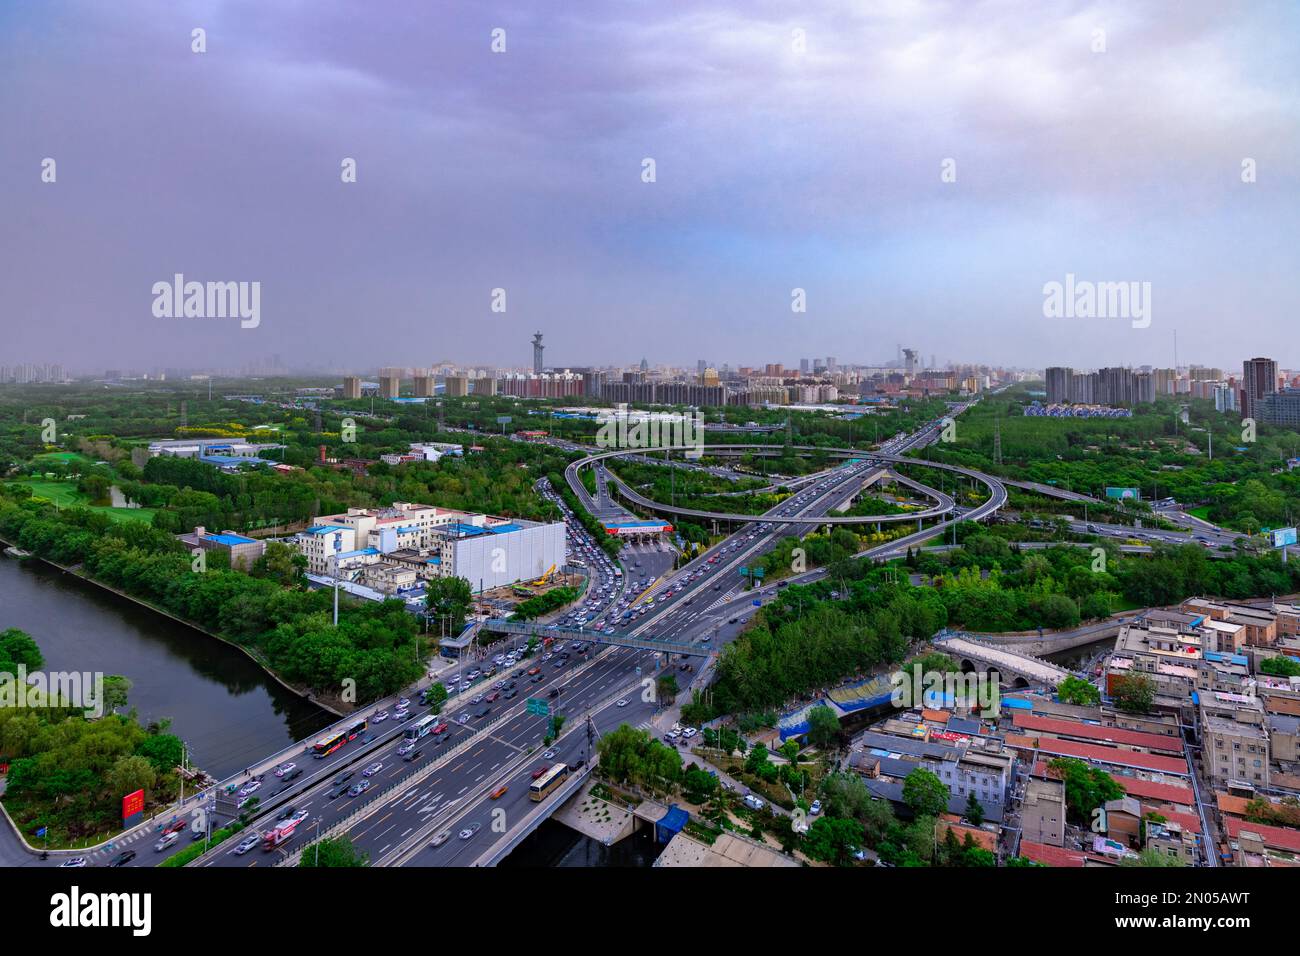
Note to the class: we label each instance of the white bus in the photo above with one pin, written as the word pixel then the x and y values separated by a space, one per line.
pixel 421 727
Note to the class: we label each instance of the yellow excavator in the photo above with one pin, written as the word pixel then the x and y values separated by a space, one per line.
pixel 541 582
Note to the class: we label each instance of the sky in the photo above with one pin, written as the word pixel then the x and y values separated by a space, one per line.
pixel 920 170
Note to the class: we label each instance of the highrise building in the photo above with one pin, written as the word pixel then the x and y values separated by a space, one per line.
pixel 1058 384
pixel 1258 378
pixel 390 383
pixel 351 386
pixel 455 386
pixel 423 384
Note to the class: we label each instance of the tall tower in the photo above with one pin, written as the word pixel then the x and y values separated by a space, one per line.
pixel 537 353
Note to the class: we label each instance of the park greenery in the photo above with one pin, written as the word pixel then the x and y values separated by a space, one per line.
pixel 68 773
pixel 1246 485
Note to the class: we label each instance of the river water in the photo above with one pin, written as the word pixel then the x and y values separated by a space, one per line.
pixel 225 707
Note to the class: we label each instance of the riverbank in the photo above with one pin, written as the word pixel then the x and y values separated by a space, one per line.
pixel 74 570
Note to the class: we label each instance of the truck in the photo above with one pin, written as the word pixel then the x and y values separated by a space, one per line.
pixel 279 835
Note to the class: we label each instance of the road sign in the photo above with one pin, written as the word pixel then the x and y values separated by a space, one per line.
pixel 538 707
pixel 1122 493
pixel 504 419
pixel 1283 536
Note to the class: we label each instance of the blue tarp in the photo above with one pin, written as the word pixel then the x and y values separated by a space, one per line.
pixel 671 823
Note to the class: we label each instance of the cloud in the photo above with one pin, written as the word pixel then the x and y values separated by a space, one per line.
pixel 777 167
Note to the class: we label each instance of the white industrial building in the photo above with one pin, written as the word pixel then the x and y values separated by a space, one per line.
pixel 370 545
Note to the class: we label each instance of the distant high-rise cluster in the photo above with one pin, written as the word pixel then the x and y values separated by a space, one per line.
pixel 1255 395
pixel 32 372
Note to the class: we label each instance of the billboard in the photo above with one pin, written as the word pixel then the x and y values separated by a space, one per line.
pixel 1122 493
pixel 132 807
pixel 1281 537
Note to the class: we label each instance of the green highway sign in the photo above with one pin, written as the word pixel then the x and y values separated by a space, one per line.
pixel 539 707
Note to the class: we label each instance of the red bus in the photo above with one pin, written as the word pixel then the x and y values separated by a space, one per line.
pixel 335 739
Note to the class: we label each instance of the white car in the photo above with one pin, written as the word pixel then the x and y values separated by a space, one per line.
pixel 622 702
pixel 373 769
pixel 689 732
pixel 284 768
pixel 381 716
pixel 300 816
pixel 76 861
pixel 245 845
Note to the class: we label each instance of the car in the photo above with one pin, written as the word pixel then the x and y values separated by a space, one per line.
pixel 373 769
pixel 621 702
pixel 406 748
pixel 401 715
pixel 286 812
pixel 816 807
pixel 249 789
pixel 482 712
pixel 535 679
pixel 534 671
pixel 441 838
pixel 344 777
pixel 284 768
pixel 439 728
pixel 689 732
pixel 499 792
pixel 541 770
pixel 300 816
pixel 492 697
pixel 380 717
pixel 463 718
pixel 549 755
pixel 511 694
pixel 168 840
pixel 413 756
pixel 123 858
pixel 293 774
pixel 76 861
pixel 470 830
pixel 176 826
pixel 245 845
pixel 358 788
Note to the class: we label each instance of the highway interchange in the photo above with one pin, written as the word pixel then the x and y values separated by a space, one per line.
pixel 447 790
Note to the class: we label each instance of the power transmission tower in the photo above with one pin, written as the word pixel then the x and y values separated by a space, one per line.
pixel 997 441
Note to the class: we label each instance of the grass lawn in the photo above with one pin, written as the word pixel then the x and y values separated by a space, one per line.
pixel 1202 512
pixel 64 456
pixel 65 495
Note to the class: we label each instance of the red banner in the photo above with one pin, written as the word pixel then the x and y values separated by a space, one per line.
pixel 132 804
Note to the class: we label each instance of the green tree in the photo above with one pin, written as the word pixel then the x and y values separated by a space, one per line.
pixel 334 852
pixel 974 810
pixel 1133 693
pixel 448 601
pixel 833 840
pixel 925 793
pixel 823 727
pixel 1086 788
pixel 1075 690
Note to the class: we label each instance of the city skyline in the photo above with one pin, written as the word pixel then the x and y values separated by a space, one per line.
pixel 523 170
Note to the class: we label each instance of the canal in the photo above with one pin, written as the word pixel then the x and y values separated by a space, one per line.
pixel 224 706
